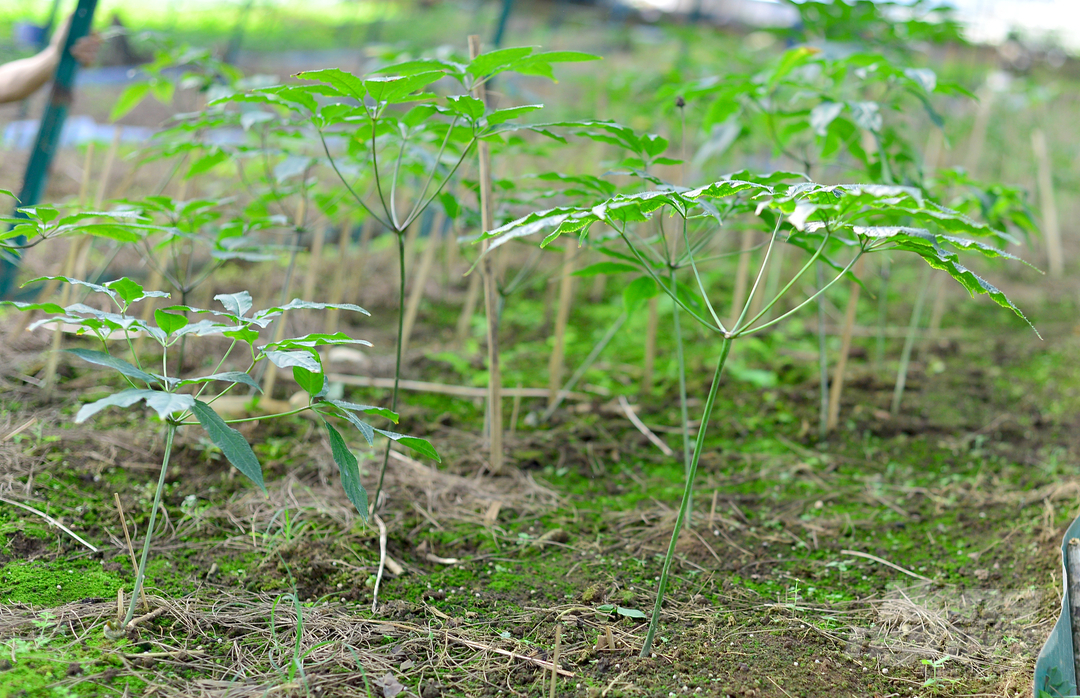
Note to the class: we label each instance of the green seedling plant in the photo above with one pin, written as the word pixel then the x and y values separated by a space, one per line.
pixel 853 220
pixel 181 402
pixel 390 128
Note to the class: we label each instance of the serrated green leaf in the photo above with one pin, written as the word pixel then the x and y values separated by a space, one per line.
pixel 488 63
pixel 124 398
pixel 349 470
pixel 369 409
pixel 606 267
pixel 313 383
pixel 226 377
pixel 421 446
pixel 288 359
pixel 235 303
pixel 100 358
pixel 501 116
pixel 169 322
pixel 231 442
pixel 129 99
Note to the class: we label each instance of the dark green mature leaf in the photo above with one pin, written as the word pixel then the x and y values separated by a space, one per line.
pixel 925 244
pixel 231 442
pixel 313 383
pixel 369 409
pixel 421 446
pixel 349 469
pixel 363 427
pixel 100 358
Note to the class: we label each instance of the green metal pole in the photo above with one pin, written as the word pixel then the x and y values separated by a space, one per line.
pixel 48 136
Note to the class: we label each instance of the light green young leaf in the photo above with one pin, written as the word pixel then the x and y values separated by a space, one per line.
pixel 368 409
pixel 235 303
pixel 169 322
pixel 313 383
pixel 231 442
pixel 349 469
pixel 129 99
pixel 637 292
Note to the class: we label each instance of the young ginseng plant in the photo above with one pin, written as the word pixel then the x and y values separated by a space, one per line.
pixel 183 402
pixel 849 220
pixel 391 130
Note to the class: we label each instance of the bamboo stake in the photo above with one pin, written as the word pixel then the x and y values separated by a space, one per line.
pixel 468 309
pixel 599 285
pixel 909 343
pixel 742 275
pixel 562 317
pixel 74 253
pixel 487 269
pixel 977 141
pixel 337 285
pixel 837 387
pixel 279 330
pixel 427 262
pixel 555 659
pixel 315 260
pixel 651 328
pixel 1055 259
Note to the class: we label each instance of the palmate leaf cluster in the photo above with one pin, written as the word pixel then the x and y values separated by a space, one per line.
pixel 830 221
pixel 176 399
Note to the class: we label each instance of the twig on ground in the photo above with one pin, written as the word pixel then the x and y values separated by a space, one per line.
pixel 896 567
pixel 50 519
pixel 629 412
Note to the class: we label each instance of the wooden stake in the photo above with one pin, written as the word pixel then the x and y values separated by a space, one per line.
pixel 837 386
pixel 977 141
pixel 562 317
pixel 337 285
pixel 651 329
pixel 279 330
pixel 1055 259
pixel 427 262
pixel 742 276
pixel 491 299
pixel 315 261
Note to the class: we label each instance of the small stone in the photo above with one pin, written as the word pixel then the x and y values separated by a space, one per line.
pixel 5 665
pixel 431 690
pixel 982 574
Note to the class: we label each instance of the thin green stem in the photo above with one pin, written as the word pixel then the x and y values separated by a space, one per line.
pixel 760 274
pixel 683 408
pixel 688 493
pixel 394 181
pixel 768 306
pixel 397 365
pixel 141 576
pixel 434 169
pixel 701 285
pixel 660 282
pixel 357 197
pixel 453 170
pixel 802 305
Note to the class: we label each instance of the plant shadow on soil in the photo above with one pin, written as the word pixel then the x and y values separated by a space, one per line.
pixel 965 494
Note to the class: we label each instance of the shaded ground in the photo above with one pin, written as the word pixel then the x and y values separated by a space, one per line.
pixel 910 555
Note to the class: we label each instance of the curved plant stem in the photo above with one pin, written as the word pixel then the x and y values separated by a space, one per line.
pixel 688 492
pixel 150 526
pixel 397 364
